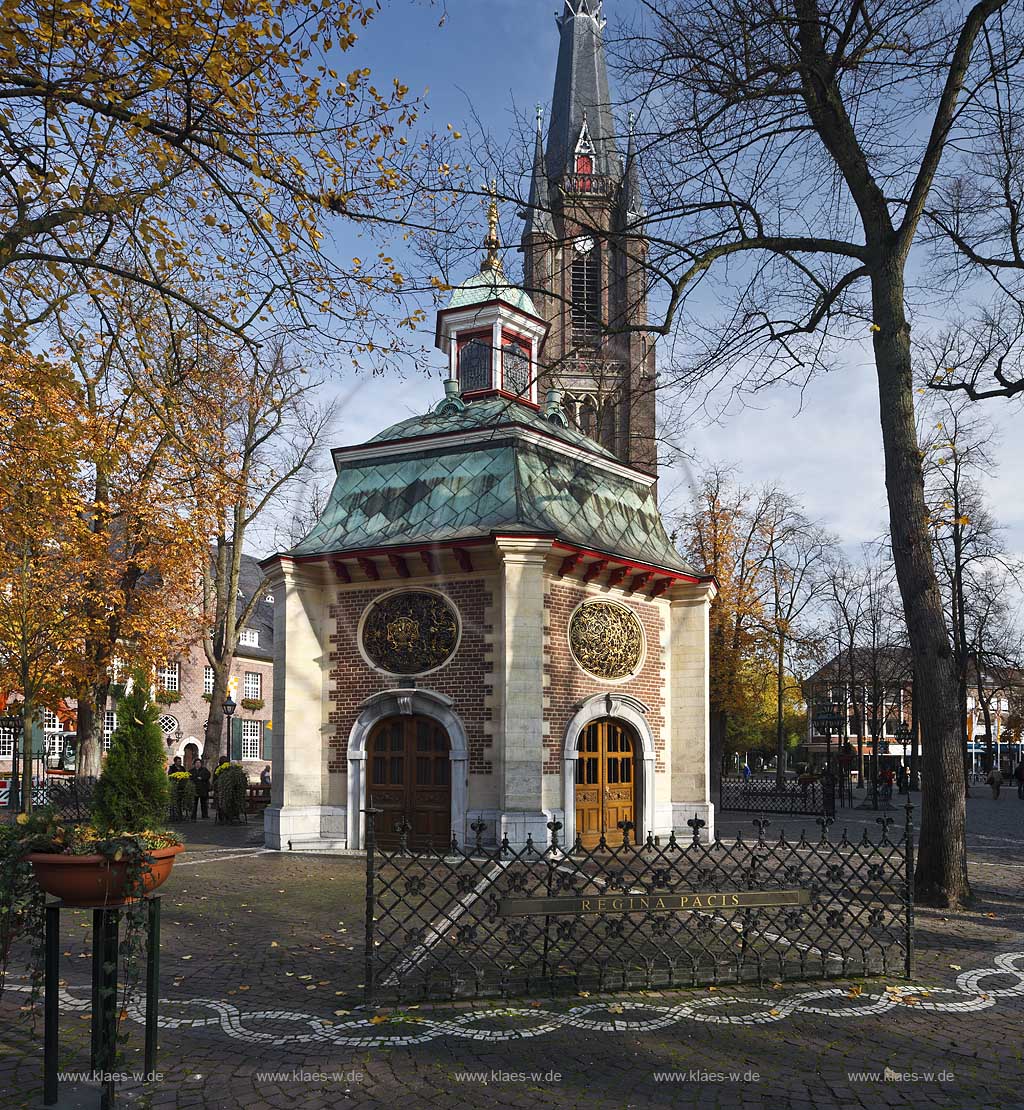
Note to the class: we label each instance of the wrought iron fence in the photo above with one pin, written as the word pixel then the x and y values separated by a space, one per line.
pixel 70 797
pixel 486 922
pixel 756 795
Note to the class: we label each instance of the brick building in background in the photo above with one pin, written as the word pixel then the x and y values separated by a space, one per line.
pixel 182 688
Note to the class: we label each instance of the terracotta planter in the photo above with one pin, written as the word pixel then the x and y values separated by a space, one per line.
pixel 84 881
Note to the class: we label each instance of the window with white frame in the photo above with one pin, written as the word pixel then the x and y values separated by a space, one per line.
pixel 252 736
pixel 51 722
pixel 249 637
pixel 6 742
pixel 207 679
pixel 167 723
pixel 168 677
pixel 253 686
pixel 109 726
pixel 53 742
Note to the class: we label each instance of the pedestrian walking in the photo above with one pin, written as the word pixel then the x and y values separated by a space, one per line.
pixel 201 779
pixel 995 780
pixel 265 776
pixel 1018 775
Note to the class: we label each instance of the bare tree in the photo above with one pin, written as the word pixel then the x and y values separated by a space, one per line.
pixel 969 545
pixel 794 153
pixel 264 423
pixel 795 579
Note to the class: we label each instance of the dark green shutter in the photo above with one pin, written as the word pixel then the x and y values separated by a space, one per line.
pixel 236 738
pixel 265 740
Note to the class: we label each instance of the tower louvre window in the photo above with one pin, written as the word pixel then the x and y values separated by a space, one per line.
pixel 475 366
pixel 516 369
pixel 586 297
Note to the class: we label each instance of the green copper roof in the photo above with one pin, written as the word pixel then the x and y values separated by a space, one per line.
pixel 447 489
pixel 491 285
pixel 489 412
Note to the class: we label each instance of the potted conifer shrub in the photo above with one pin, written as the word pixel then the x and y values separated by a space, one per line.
pixel 124 851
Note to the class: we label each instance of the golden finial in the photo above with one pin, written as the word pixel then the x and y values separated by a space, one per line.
pixel 492 243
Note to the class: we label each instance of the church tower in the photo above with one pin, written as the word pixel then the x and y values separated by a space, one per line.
pixel 584 252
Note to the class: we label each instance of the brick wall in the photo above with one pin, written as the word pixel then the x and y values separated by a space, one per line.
pixel 466 679
pixel 566 684
pixel 192 710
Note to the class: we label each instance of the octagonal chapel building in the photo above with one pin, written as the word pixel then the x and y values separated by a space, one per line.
pixel 489 621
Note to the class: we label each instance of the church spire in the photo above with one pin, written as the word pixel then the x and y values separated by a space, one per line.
pixel 581 105
pixel 537 213
pixel 632 199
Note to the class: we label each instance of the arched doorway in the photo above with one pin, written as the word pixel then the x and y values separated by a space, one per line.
pixel 409 778
pixel 605 781
pixel 191 755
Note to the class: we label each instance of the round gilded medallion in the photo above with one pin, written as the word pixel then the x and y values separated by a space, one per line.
pixel 410 632
pixel 606 640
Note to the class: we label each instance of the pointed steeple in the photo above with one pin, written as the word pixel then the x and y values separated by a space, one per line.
pixel 537 214
pixel 581 97
pixel 632 198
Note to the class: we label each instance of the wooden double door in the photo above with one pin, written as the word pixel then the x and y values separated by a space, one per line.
pixel 605 782
pixel 410 780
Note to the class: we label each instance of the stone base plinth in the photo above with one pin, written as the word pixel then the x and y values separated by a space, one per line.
pixel 305 828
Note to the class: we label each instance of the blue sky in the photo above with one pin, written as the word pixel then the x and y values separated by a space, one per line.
pixel 823 445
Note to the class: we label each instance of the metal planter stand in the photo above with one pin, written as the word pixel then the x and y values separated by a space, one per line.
pixel 106 922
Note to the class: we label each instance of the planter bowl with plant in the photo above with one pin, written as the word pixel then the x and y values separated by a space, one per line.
pixel 123 852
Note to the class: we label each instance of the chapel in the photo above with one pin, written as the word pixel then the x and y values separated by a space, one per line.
pixel 489 625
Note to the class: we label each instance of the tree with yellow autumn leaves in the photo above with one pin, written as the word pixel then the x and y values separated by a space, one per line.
pixel 196 153
pixel 98 549
pixel 769 561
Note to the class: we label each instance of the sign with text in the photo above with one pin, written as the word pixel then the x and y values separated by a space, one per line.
pixel 658 902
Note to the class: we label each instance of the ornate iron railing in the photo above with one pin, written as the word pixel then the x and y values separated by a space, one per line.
pixel 70 797
pixel 761 795
pixel 485 922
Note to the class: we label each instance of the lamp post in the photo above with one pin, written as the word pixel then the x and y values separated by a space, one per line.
pixel 826 723
pixel 14 723
pixel 904 736
pixel 229 712
pixel 874 723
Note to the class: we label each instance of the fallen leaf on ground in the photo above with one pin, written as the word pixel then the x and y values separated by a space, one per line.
pixel 378 1020
pixel 955 967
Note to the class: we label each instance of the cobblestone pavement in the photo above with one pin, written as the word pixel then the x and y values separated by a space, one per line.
pixel 252 932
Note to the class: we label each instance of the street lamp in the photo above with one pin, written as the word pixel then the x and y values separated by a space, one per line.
pixel 875 724
pixel 904 737
pixel 826 723
pixel 229 712
pixel 14 724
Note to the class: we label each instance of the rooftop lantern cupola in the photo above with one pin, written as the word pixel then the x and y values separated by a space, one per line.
pixel 490 330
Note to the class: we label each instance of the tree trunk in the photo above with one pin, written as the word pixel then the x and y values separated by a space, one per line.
pixel 717 751
pixel 780 738
pixel 216 742
pixel 27 714
pixel 941 878
pixel 87 757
